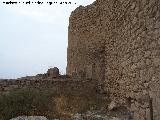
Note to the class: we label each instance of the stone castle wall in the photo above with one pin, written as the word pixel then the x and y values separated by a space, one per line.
pixel 117 42
pixel 58 86
pixel 51 80
pixel 85 45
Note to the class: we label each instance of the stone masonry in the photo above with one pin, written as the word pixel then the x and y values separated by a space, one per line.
pixel 53 72
pixel 117 43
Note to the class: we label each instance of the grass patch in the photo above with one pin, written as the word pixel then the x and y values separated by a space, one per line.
pixel 46 102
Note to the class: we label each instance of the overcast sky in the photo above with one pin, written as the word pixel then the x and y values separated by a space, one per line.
pixel 34 37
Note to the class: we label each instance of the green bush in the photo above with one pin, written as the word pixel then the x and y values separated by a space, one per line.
pixel 50 103
pixel 25 102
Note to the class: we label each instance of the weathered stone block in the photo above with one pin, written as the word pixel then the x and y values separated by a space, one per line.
pixel 53 72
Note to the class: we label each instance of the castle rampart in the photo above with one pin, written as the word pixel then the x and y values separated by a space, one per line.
pixel 117 42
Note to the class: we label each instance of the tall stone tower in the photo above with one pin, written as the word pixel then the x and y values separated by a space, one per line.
pixel 85 44
pixel 117 42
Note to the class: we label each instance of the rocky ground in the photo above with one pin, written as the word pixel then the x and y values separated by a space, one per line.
pixel 99 115
pixel 89 115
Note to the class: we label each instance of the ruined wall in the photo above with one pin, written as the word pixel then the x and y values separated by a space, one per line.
pixel 133 54
pixel 77 87
pixel 125 34
pixel 85 45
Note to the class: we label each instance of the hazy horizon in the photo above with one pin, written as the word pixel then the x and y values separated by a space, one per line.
pixel 34 38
